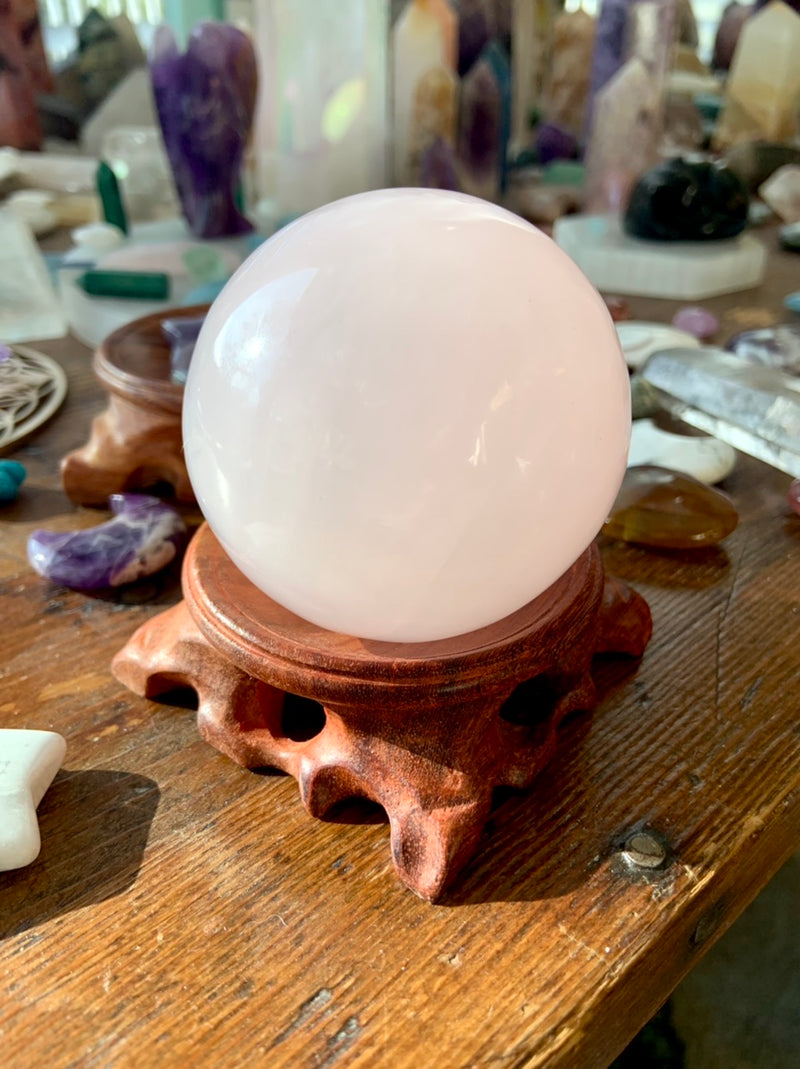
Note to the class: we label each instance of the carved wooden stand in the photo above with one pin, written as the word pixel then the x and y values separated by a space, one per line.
pixel 137 440
pixel 426 730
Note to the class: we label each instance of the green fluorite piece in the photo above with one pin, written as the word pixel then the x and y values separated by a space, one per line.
pixel 668 510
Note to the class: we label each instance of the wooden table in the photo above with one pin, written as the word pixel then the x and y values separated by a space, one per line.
pixel 186 912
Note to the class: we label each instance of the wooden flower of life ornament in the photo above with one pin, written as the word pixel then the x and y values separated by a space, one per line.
pixel 137 441
pixel 418 728
pixel 32 387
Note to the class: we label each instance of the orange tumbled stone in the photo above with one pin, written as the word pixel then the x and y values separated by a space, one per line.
pixel 669 510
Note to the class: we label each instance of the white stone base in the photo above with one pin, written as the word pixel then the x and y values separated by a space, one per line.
pixel 681 270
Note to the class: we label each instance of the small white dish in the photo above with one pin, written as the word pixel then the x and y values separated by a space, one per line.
pixel 705 458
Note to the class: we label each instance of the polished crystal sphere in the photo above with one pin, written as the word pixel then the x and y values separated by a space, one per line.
pixel 407 414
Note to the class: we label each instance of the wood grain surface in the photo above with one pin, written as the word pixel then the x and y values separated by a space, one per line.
pixel 186 911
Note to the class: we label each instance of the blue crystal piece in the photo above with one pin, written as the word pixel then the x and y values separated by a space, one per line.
pixel 12 476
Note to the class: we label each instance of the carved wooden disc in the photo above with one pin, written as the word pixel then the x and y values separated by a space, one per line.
pixel 134 361
pixel 273 644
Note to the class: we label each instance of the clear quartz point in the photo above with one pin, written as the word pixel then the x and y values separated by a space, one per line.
pixel 755 409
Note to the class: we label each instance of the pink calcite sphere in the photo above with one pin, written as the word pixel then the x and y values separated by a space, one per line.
pixel 407 415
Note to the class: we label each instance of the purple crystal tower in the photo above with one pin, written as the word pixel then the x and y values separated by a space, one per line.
pixel 439 167
pixel 473 32
pixel 610 48
pixel 205 100
pixel 480 131
pixel 627 112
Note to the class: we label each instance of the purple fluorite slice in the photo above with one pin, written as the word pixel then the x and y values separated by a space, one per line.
pixel 142 538
pixel 205 101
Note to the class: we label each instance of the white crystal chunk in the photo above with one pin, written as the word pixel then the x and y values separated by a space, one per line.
pixel 29 307
pixel 28 762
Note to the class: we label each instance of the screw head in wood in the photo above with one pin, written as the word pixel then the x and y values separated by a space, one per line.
pixel 644 850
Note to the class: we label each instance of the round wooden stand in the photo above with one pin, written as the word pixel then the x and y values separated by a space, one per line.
pixel 136 442
pixel 425 730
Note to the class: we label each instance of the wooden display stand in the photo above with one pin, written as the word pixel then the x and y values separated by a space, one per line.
pixel 426 730
pixel 136 442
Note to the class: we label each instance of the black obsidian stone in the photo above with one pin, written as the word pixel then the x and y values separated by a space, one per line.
pixel 687 200
pixel 789 237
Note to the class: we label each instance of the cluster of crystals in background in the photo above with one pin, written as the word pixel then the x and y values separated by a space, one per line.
pixel 545 109
pixel 475 94
pixel 451 95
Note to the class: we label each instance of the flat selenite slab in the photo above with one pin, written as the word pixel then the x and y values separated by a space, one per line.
pixel 681 270
pixel 28 762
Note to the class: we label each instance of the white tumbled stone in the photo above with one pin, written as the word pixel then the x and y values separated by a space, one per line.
pixel 707 459
pixel 28 762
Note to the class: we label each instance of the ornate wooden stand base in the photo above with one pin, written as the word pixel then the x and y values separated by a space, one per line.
pixel 425 730
pixel 137 441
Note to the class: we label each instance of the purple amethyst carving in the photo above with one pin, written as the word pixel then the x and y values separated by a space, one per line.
pixel 142 538
pixel 206 100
